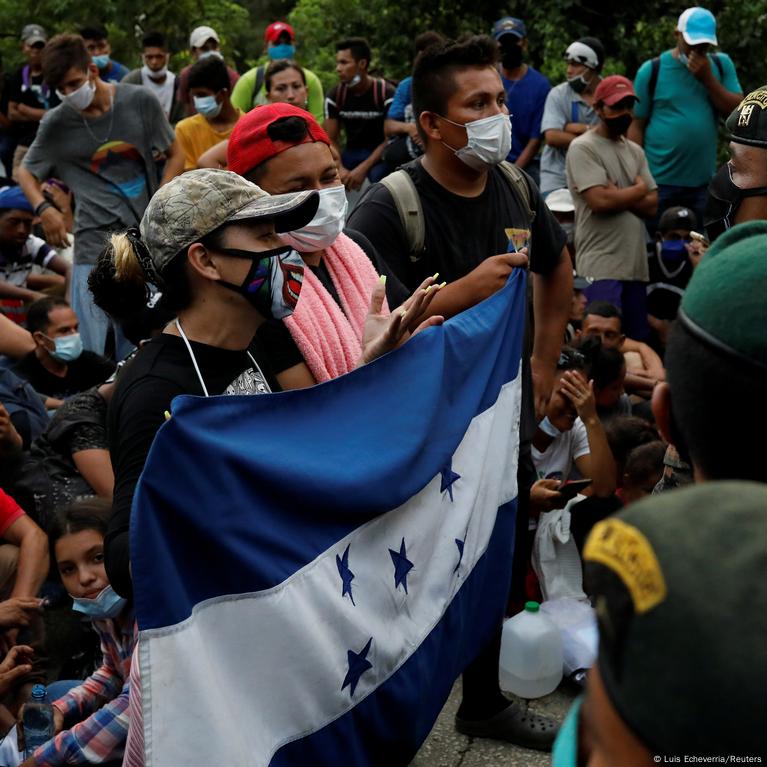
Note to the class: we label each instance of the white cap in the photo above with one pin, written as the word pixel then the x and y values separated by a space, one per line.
pixel 201 35
pixel 560 201
pixel 697 25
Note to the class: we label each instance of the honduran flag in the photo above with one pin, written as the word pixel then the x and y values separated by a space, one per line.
pixel 313 569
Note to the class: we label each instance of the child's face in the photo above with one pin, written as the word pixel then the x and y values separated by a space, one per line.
pixel 80 559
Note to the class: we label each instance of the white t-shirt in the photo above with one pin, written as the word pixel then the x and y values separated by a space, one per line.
pixel 163 91
pixel 557 461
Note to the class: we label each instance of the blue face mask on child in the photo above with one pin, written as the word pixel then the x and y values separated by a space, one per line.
pixel 283 51
pixel 107 604
pixel 674 250
pixel 102 62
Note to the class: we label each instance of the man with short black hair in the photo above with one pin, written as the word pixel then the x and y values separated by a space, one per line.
pixel 358 105
pixel 471 213
pixel 526 92
pixel 568 111
pixel 28 96
pixel 613 192
pixel 97 43
pixel 100 142
pixel 208 84
pixel 155 76
pixel 203 42
pixel 59 366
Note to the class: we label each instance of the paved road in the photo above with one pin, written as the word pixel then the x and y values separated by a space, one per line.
pixel 447 748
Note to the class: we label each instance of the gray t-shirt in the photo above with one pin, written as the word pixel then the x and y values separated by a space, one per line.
pixel 608 246
pixel 563 105
pixel 107 163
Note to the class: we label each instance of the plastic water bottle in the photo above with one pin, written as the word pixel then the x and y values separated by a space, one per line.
pixel 37 720
pixel 531 654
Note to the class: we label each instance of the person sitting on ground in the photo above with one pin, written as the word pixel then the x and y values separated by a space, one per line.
pixel 98 46
pixel 15 341
pixel 208 84
pixel 91 720
pixel 577 308
pixel 252 88
pixel 283 149
pixel 59 367
pixel 669 620
pixel 571 433
pixel 624 434
pixel 644 368
pixel 671 262
pixel 644 469
pixel 607 368
pixel 20 250
pixel 23 418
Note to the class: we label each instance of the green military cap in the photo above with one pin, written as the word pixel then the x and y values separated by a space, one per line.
pixel 725 304
pixel 681 599
pixel 747 123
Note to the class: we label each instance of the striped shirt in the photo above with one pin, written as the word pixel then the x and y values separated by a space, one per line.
pixel 97 730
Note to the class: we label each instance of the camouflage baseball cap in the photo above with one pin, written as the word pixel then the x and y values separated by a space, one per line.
pixel 195 203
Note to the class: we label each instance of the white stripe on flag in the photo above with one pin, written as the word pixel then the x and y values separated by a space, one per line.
pixel 248 673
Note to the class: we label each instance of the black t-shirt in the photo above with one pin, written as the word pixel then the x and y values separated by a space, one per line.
pixel 362 115
pixel 161 370
pixel 32 91
pixel 89 369
pixel 461 231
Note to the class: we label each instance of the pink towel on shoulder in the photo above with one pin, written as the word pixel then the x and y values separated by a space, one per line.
pixel 330 339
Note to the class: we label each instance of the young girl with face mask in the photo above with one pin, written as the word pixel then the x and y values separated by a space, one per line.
pixel 91 719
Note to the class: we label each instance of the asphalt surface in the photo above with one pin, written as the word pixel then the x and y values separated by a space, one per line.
pixel 445 747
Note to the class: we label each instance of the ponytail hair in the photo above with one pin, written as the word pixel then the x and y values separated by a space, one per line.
pixel 120 280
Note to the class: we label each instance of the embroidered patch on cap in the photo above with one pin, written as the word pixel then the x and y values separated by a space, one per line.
pixel 628 553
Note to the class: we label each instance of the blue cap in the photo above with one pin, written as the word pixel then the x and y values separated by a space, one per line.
pixel 697 26
pixel 509 26
pixel 12 198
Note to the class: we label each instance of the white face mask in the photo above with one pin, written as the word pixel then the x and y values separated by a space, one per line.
pixel 488 141
pixel 208 54
pixel 152 74
pixel 80 99
pixel 321 232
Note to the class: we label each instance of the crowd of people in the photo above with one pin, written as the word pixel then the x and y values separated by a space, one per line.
pixel 211 233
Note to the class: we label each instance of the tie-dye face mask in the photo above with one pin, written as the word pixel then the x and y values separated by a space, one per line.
pixel 273 282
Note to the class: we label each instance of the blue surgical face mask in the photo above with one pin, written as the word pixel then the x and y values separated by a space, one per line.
pixel 68 348
pixel 107 604
pixel 207 106
pixel 206 54
pixel 282 51
pixel 683 60
pixel 102 62
pixel 674 250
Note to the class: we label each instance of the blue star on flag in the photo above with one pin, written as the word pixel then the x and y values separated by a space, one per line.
pixel 347 576
pixel 402 565
pixel 459 543
pixel 358 665
pixel 448 478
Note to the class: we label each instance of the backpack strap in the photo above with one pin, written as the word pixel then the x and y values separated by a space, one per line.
pixel 651 85
pixel 519 186
pixel 260 77
pixel 718 61
pixel 408 204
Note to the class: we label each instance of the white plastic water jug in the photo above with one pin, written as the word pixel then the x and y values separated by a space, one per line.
pixel 531 654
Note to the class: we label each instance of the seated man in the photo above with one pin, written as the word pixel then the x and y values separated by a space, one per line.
pixel 669 621
pixel 58 367
pixel 571 432
pixel 20 250
pixel 644 368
